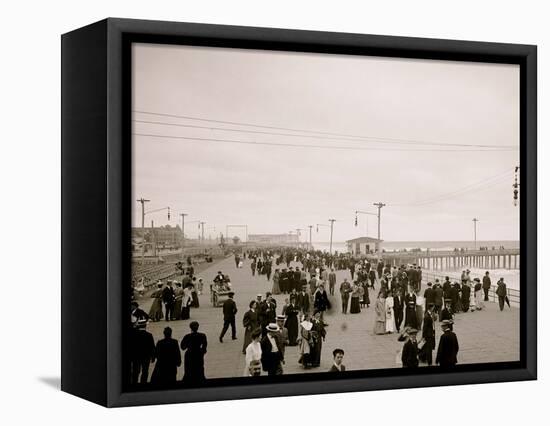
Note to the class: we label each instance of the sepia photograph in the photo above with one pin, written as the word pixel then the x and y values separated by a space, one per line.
pixel 304 213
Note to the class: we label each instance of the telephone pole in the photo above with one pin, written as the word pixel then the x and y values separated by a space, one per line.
pixel 331 229
pixel 379 205
pixel 182 233
pixel 202 231
pixel 143 201
pixel 475 220
pixel 310 245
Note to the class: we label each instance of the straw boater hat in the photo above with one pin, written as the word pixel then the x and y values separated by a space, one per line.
pixel 412 331
pixel 281 317
pixel 272 327
pixel 306 325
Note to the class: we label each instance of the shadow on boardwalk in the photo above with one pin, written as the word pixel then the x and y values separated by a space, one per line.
pixel 484 336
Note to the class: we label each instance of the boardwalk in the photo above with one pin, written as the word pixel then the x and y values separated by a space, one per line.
pixel 484 336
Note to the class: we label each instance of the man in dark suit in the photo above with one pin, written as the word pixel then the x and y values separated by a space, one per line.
pixel 409 356
pixel 332 281
pixel 168 355
pixel 448 346
pixel 429 296
pixel 169 299
pixel 229 312
pixel 302 301
pixel 272 351
pixel 398 308
pixel 337 367
pixel 486 286
pixel 142 352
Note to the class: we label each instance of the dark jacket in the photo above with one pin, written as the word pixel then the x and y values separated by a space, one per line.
pixel 250 320
pixel 229 309
pixel 142 346
pixel 271 360
pixel 486 282
pixel 321 303
pixel 167 353
pixel 333 369
pixel 447 350
pixel 168 295
pixel 409 356
pixel 429 295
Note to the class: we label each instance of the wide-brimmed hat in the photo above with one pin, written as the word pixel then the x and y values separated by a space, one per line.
pixel 446 323
pixel 306 325
pixel 272 327
pixel 412 331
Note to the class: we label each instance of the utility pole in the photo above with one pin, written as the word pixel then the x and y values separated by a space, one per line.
pixel 310 245
pixel 331 229
pixel 475 220
pixel 182 233
pixel 143 201
pixel 379 205
pixel 202 231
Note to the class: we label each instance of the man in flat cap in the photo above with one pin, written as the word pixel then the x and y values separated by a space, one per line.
pixel 447 349
pixel 409 356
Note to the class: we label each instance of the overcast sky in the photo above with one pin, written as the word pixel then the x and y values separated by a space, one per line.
pixel 430 195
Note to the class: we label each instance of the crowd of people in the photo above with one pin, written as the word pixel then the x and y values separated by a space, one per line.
pixel 401 307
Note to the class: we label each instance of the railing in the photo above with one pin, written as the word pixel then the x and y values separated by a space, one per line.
pixel 513 294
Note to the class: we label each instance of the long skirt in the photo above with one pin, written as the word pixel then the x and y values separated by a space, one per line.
pixel 292 326
pixel 379 327
pixel 354 307
pixel 185 312
pixel 275 289
pixel 315 355
pixel 177 309
pixel 195 299
pixel 410 318
pixel 247 340
pixel 155 313
pixel 366 299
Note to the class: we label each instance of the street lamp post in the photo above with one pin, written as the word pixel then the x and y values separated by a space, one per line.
pixel 310 245
pixel 331 229
pixel 182 234
pixel 475 220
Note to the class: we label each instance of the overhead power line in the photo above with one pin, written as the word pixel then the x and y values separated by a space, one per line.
pixel 316 132
pixel 340 147
pixel 483 184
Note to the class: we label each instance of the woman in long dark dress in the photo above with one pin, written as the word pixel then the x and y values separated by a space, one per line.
pixel 410 315
pixel 250 323
pixel 155 313
pixel 318 333
pixel 355 294
pixel 291 323
pixel 365 301
pixel 194 344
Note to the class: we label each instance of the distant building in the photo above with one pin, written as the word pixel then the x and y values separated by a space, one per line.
pixel 273 239
pixel 363 245
pixel 162 236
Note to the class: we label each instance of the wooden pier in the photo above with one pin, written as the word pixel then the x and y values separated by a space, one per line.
pixel 454 260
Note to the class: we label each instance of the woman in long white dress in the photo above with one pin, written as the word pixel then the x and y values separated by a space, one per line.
pixel 253 351
pixel 390 320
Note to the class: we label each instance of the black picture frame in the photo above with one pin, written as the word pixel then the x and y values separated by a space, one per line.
pixel 96 141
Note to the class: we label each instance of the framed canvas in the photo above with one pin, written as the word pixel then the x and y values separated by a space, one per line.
pixel 257 212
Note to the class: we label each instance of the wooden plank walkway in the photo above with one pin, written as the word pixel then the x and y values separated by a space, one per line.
pixel 484 336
